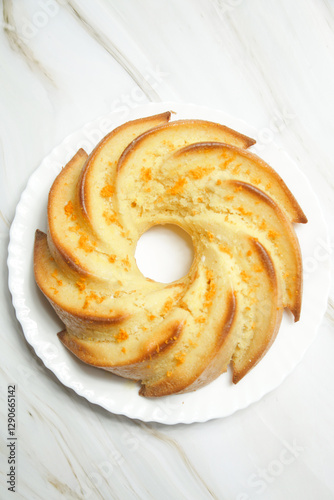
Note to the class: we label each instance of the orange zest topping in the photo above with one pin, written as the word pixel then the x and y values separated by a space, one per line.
pixel 121 335
pixel 229 197
pixel 200 172
pixel 178 186
pixel 107 191
pixel 69 210
pixel 81 284
pixel 54 275
pixel 146 174
pixel 126 263
pixel 225 249
pixel 85 244
pixel 92 296
pixel 74 229
pixel 258 269
pixel 244 276
pixel 228 161
pixel 180 357
pixel 167 307
pixel 211 290
pixel 111 218
pixel 272 235
pixel 243 211
pixel 200 319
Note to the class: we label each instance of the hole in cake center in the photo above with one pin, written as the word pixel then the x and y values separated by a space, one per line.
pixel 164 253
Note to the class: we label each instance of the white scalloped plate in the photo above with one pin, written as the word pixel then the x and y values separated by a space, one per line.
pixel 221 398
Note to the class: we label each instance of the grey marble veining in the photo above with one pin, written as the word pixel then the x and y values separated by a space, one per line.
pixel 16 41
pixel 113 50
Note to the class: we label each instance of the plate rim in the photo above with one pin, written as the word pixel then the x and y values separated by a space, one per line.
pixel 22 313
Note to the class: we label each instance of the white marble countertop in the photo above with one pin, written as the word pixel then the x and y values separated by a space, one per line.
pixel 267 62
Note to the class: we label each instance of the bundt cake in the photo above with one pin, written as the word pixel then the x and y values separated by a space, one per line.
pixel 247 266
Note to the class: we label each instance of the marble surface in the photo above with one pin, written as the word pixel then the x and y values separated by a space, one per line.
pixel 65 63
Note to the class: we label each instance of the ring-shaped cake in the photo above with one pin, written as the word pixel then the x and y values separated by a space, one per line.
pixel 247 265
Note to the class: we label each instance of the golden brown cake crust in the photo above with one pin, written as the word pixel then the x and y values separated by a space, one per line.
pixel 247 268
